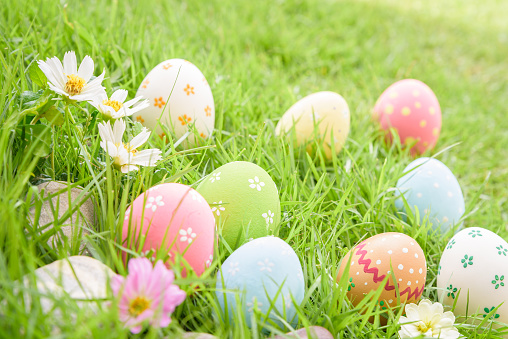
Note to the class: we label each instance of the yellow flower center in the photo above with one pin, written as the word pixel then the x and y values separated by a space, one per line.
pixel 74 84
pixel 138 306
pixel 113 103
pixel 424 327
pixel 128 148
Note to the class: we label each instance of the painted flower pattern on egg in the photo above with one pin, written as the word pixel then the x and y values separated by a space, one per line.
pixel 412 109
pixel 189 231
pixel 244 200
pixel 265 281
pixel 386 254
pixel 180 96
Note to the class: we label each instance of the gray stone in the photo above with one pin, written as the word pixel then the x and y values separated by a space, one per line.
pixel 78 277
pixel 65 198
pixel 316 332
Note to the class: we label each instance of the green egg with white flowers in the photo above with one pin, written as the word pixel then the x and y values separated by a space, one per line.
pixel 244 201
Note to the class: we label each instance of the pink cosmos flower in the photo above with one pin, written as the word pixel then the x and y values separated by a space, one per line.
pixel 146 294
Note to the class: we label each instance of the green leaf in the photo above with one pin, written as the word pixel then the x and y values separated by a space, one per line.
pixel 37 76
pixel 40 136
pixel 27 99
pixel 54 115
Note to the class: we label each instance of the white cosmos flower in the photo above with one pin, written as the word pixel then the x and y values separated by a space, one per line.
pixel 115 107
pixel 70 81
pixel 126 157
pixel 427 319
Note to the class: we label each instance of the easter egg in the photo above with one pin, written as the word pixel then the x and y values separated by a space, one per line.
pixel 387 254
pixel 413 110
pixel 244 200
pixel 267 276
pixel 431 187
pixel 322 114
pixel 172 217
pixel 475 263
pixel 190 100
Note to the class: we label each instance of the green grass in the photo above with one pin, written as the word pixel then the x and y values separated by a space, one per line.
pixel 259 58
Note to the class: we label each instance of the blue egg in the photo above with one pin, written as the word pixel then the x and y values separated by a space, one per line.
pixel 264 274
pixel 431 187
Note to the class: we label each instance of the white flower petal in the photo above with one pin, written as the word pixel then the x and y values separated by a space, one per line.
pixel 105 132
pixel 128 168
pixel 85 70
pixel 147 157
pixel 52 76
pixel 132 101
pixel 120 95
pixel 70 65
pixel 118 130
pixel 57 90
pixel 140 139
pixel 57 69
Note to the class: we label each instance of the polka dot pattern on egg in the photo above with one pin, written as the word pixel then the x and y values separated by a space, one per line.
pixel 413 110
pixel 379 254
pixel 431 187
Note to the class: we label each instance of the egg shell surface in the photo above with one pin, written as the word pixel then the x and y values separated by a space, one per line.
pixel 326 111
pixel 244 200
pixel 370 264
pixel 264 271
pixel 475 262
pixel 412 108
pixel 191 100
pixel 431 187
pixel 175 217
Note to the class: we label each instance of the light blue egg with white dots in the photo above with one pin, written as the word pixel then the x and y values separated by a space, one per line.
pixel 265 274
pixel 431 187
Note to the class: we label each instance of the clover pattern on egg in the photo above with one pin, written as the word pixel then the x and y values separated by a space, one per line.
pixel 473 273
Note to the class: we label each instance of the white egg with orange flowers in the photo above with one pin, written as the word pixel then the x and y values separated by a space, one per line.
pixel 392 255
pixel 179 97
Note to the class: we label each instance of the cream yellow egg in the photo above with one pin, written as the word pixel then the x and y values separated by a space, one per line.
pixel 322 115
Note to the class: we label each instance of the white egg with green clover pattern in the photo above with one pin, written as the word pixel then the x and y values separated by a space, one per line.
pixel 267 276
pixel 244 200
pixel 431 187
pixel 190 100
pixel 475 263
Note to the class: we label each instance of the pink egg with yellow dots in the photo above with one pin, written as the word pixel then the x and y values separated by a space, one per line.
pixel 411 108
pixel 174 218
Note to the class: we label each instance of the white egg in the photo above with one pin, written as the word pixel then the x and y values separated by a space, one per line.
pixel 190 100
pixel 475 263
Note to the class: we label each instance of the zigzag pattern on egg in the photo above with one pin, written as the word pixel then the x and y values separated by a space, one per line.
pixel 376 278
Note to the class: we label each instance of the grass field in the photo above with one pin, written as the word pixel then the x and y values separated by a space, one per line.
pixel 260 57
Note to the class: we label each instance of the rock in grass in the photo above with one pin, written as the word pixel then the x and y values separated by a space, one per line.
pixel 316 332
pixel 64 198
pixel 79 277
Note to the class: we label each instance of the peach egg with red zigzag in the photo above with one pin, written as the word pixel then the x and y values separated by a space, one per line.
pixel 392 255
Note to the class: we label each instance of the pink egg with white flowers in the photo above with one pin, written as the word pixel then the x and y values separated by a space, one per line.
pixel 172 217
pixel 411 108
